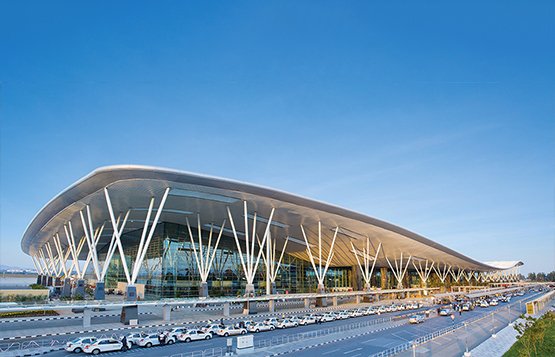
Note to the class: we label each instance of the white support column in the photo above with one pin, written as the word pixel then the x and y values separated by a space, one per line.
pixel 38 268
pixel 251 260
pixel 71 242
pixel 45 262
pixel 365 268
pixel 318 271
pixel 60 253
pixel 139 259
pixel 269 259
pixel 92 240
pixel 457 275
pixel 442 275
pixel 117 236
pixel 95 239
pixel 203 258
pixel 112 247
pixel 423 272
pixel 399 271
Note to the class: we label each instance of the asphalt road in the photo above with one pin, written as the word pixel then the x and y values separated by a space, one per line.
pixel 367 345
pixel 220 342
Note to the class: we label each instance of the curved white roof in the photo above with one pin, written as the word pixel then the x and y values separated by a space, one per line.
pixel 131 187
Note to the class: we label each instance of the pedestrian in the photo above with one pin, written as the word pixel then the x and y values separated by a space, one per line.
pixel 222 321
pixel 460 311
pixel 124 342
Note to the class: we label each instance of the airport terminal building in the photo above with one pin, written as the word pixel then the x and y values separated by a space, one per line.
pixel 162 233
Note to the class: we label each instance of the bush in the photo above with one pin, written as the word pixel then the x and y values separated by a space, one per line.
pixel 37 286
pixel 11 314
pixel 532 335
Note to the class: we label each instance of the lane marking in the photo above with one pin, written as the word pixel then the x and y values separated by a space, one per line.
pixel 351 351
pixel 332 351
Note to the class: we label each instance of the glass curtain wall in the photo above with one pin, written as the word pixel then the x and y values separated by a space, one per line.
pixel 169 269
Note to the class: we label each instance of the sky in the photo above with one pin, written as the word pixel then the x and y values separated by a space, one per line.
pixel 435 117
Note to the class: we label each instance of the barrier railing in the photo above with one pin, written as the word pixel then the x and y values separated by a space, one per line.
pixel 274 341
pixel 423 339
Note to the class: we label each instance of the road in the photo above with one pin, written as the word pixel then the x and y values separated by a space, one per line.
pixel 369 344
pixel 220 342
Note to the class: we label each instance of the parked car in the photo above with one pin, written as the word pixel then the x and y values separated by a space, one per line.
pixel 212 328
pixel 445 311
pixel 343 315
pixel 493 302
pixel 104 345
pixel 149 340
pixel 171 335
pixel 78 344
pixel 466 307
pixel 287 323
pixel 327 317
pixel 271 321
pixel 231 331
pixel 194 335
pixel 416 319
pixel 134 338
pixel 356 313
pixel 484 303
pixel 371 311
pixel 295 319
pixel 308 320
pixel 260 326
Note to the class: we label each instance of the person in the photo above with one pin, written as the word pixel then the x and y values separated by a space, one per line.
pixel 124 342
pixel 222 321
pixel 438 310
pixel 460 311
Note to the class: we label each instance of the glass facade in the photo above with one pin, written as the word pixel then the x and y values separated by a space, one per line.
pixel 169 269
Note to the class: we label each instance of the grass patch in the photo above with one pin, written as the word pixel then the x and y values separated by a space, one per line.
pixel 538 339
pixel 29 313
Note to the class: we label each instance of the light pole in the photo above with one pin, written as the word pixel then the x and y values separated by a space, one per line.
pixel 493 334
pixel 467 352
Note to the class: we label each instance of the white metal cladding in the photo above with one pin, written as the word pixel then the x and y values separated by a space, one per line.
pixel 131 189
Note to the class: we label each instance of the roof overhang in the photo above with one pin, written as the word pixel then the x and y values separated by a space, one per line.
pixel 131 187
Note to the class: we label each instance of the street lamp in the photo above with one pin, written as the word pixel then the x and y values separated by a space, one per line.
pixel 493 334
pixel 467 352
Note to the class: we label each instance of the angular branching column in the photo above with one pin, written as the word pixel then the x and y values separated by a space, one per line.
pixel 365 268
pixel 204 258
pixel 423 272
pixel 251 260
pixel 320 271
pixel 400 269
pixel 442 274
pixel 272 266
pixel 131 293
pixel 457 275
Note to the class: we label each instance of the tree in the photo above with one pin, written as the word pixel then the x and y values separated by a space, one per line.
pixel 551 276
pixel 532 276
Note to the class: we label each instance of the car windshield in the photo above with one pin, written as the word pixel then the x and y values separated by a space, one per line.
pixel 77 340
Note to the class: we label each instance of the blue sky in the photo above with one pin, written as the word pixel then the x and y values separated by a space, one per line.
pixel 438 118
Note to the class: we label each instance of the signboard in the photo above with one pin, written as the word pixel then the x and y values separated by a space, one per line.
pixel 530 308
pixel 246 341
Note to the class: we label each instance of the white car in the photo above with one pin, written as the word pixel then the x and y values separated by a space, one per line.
pixel 260 326
pixel 173 333
pixel 343 315
pixel 445 311
pixel 308 320
pixel 371 311
pixel 356 313
pixel 231 330
pixel 416 319
pixel 194 335
pixel 295 319
pixel 78 344
pixel 484 303
pixel 149 340
pixel 271 321
pixel 493 302
pixel 382 309
pixel 328 317
pixel 133 338
pixel 103 345
pixel 287 323
pixel 212 328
